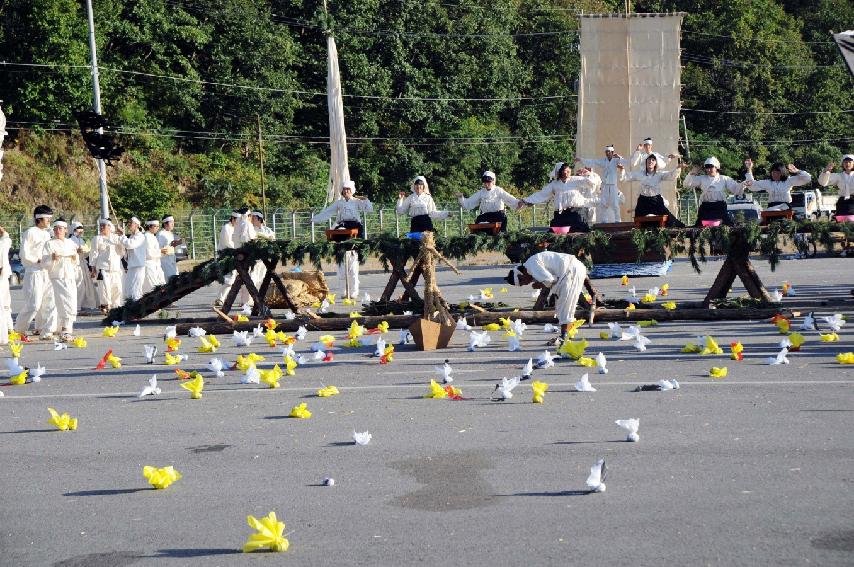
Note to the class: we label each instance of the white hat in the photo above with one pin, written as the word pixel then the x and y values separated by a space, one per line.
pixel 152 222
pixel 488 173
pixel 610 149
pixel 647 140
pixel 75 225
pixel 848 156
pixel 61 223
pixel 713 161
pixel 105 222
pixel 349 184
pixel 135 220
pixel 556 170
pixel 168 218
pixel 235 214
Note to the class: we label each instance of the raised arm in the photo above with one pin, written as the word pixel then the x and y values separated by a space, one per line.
pixel 473 201
pixel 403 204
pixel 508 199
pixel 798 177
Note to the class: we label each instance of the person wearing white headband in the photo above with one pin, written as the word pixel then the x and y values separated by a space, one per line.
pixel 650 200
pixel 714 188
pixel 643 151
pixel 419 206
pixel 347 210
pixel 87 297
pixel 36 288
pixel 60 256
pixel 491 199
pixel 608 209
pixel 226 241
pixel 106 261
pixel 779 187
pixel 168 242
pixel 134 245
pixel 153 255
pixel 5 294
pixel 566 192
pixel 562 275
pixel 844 181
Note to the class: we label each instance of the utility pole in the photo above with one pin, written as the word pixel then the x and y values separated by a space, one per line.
pixel 261 161
pixel 96 107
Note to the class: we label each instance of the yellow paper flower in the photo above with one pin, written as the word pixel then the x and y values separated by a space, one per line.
pixel 586 361
pixel 348 301
pixel 242 318
pixel 328 340
pixel 648 323
pixel 436 391
pixel 160 478
pixel 16 349
pixel 716 372
pixel 797 340
pixel 355 315
pixel 829 338
pixel 269 534
pixel 664 288
pixel 172 360
pixel 573 349
pixel 316 304
pixel 270 336
pixel 255 358
pixel 605 335
pixel 648 298
pixel 491 327
pixel 300 411
pixel 327 391
pixel 736 349
pixel 79 342
pixel 502 290
pixel 631 307
pixel 290 365
pixel 110 331
pixel 330 297
pixel 487 293
pixel 270 324
pixel 845 358
pixel 353 343
pixel 692 348
pixel 669 305
pixel 624 280
pixel 505 323
pixel 383 327
pixel 14 336
pixel 572 328
pixel 195 386
pixel 114 361
pixel 173 343
pixel 539 389
pixel 711 346
pixel 271 377
pixel 510 333
pixel 285 338
pixel 213 340
pixel 355 330
pixel 207 345
pixel 783 326
pixel 19 379
pixel 62 422
pixel 388 355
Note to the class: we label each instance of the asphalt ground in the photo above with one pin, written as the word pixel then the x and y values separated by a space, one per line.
pixel 752 469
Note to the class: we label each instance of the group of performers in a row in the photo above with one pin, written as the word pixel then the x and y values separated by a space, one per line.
pixel 591 195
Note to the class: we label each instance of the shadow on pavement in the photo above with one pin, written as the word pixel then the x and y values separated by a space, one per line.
pixel 107 492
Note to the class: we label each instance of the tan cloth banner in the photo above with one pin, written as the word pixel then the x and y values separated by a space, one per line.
pixel 629 90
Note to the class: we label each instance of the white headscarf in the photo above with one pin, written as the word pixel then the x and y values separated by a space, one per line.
pixel 423 180
pixel 556 170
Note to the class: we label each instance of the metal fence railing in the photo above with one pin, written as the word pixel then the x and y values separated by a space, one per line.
pixel 200 227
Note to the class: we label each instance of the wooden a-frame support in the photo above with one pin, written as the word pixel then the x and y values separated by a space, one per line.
pixel 258 296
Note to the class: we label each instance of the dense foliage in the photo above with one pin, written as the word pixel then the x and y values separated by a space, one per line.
pixel 186 79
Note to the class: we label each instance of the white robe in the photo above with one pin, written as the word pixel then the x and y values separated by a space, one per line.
pixel 135 278
pixel 63 278
pixel 564 275
pixel 5 297
pixel 153 270
pixel 106 257
pixel 225 242
pixel 168 262
pixel 778 191
pixel 37 289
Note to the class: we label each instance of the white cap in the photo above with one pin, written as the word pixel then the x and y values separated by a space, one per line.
pixel 152 222
pixel 349 184
pixel 75 225
pixel 647 140
pixel 105 222
pixel 610 149
pixel 488 173
pixel 61 223
pixel 135 220
pixel 713 161
pixel 169 218
pixel 848 156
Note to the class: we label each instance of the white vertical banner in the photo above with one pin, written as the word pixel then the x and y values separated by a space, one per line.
pixel 630 89
pixel 2 138
pixel 339 171
pixel 845 41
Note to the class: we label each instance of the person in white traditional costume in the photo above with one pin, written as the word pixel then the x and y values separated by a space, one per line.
pixel 106 261
pixel 844 181
pixel 263 232
pixel 226 242
pixel 562 275
pixel 643 151
pixel 650 200
pixel 60 257
pixel 135 247
pixel 153 254
pixel 713 187
pixel 37 289
pixel 347 210
pixel 491 199
pixel 567 194
pixel 5 297
pixel 168 242
pixel 779 187
pixel 87 296
pixel 419 206
pixel 608 208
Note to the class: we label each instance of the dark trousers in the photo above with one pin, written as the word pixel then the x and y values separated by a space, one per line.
pixel 655 206
pixel 570 218
pixel 715 210
pixel 496 216
pixel 845 206
pixel 421 223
